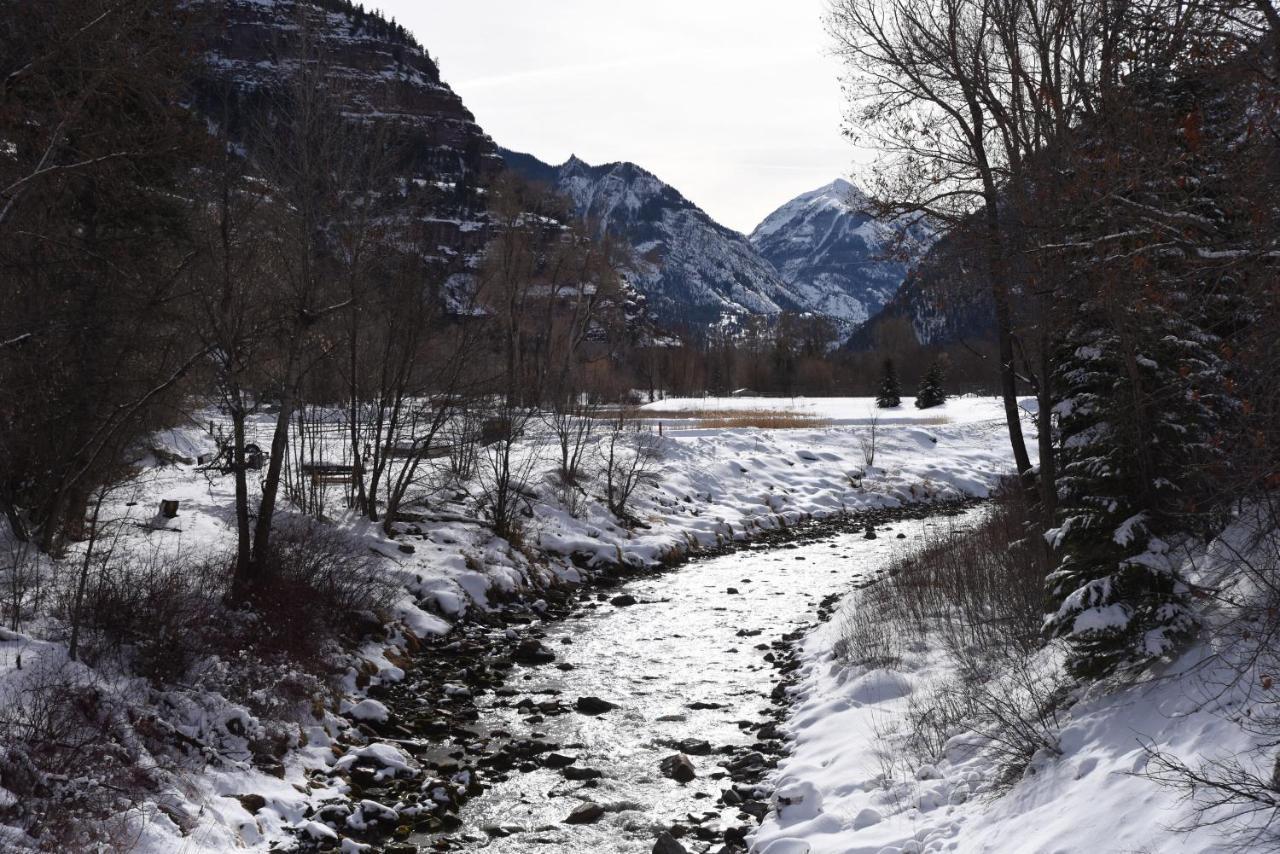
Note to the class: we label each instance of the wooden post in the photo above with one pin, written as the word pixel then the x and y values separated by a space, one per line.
pixel 169 508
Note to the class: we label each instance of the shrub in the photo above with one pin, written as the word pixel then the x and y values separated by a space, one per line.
pixel 976 593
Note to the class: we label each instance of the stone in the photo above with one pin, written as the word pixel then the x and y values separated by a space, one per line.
pixel 623 601
pixel 558 760
pixel 678 768
pixel 533 652
pixel 667 844
pixel 252 803
pixel 587 813
pixel 694 747
pixel 594 706
pixel 573 772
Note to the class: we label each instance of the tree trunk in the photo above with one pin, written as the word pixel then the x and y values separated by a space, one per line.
pixel 243 541
pixel 259 565
pixel 1004 335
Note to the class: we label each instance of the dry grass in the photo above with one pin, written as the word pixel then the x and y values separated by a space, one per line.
pixel 777 419
pixel 763 419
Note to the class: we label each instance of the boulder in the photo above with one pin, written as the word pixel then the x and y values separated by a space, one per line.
pixel 667 844
pixel 594 706
pixel 678 768
pixel 587 813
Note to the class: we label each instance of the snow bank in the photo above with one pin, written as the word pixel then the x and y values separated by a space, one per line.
pixel 1093 798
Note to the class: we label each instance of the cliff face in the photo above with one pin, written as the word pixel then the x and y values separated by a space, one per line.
pixel 834 256
pixel 253 50
pixel 938 298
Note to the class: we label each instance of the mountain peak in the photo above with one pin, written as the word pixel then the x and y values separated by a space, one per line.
pixel 832 252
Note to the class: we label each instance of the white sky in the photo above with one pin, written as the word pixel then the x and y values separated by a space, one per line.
pixel 736 103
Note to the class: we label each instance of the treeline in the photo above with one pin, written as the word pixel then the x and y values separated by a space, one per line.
pixel 1115 168
pixel 795 355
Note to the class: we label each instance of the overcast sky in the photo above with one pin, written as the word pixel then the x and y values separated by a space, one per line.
pixel 734 102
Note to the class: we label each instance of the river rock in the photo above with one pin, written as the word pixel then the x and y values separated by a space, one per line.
pixel 594 706
pixel 573 772
pixel 678 768
pixel 532 651
pixel 667 844
pixel 623 601
pixel 558 760
pixel 252 803
pixel 694 747
pixel 587 813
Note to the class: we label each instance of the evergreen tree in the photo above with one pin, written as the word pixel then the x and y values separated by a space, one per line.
pixel 890 389
pixel 1142 392
pixel 931 392
pixel 1136 422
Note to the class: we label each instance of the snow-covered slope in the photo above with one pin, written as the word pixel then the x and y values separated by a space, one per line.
pixel 833 255
pixel 692 269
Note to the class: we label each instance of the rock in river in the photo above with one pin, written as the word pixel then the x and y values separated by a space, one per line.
pixel 667 844
pixel 678 767
pixel 588 813
pixel 594 706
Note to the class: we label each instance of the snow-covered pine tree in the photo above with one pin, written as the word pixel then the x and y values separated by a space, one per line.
pixel 931 392
pixel 890 394
pixel 1142 391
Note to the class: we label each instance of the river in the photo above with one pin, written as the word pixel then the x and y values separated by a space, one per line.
pixel 694 660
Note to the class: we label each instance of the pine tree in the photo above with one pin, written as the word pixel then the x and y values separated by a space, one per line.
pixel 931 392
pixel 1142 392
pixel 1136 423
pixel 890 389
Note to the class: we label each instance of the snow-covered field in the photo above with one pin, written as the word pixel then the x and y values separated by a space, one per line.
pixel 840 411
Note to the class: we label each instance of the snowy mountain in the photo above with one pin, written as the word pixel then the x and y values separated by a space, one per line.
pixel 833 256
pixel 691 269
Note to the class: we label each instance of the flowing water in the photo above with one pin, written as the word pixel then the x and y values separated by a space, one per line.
pixel 686 662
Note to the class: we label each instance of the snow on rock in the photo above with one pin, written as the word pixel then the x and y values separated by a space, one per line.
pixel 799 801
pixel 369 710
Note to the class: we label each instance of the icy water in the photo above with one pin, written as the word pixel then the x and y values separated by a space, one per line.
pixel 686 662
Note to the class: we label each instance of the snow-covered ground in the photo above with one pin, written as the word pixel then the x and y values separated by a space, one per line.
pixel 841 411
pixel 712 485
pixel 852 789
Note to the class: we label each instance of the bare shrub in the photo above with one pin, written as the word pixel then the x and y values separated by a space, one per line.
pixel 67 752
pixel 156 614
pixel 628 457
pixel 1237 793
pixel 975 592
pixel 505 469
pixel 320 590
pixel 1241 795
pixel 148 613
pixel 870 634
